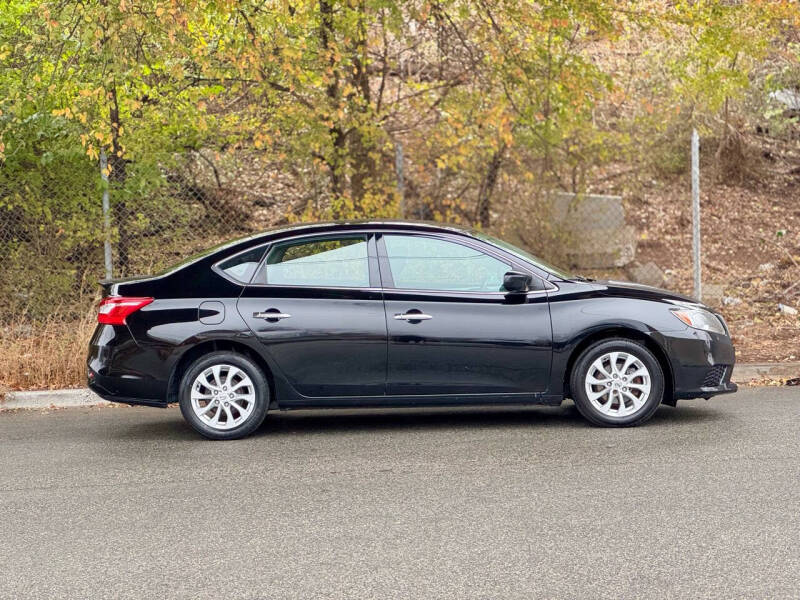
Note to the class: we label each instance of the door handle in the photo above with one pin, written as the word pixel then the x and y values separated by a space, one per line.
pixel 271 315
pixel 413 317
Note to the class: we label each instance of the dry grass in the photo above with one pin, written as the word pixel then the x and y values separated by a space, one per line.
pixel 47 354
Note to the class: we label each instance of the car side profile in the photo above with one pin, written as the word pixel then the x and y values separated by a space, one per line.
pixel 394 313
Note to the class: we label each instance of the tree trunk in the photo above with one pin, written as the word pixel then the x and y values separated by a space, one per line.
pixel 483 212
pixel 334 162
pixel 362 161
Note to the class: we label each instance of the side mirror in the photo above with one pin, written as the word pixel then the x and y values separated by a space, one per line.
pixel 517 283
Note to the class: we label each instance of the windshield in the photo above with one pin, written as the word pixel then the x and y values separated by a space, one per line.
pixel 524 255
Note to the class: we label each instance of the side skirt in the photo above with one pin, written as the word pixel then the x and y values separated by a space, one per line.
pixel 427 401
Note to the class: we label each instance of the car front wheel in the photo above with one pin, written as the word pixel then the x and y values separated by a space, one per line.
pixel 224 396
pixel 617 383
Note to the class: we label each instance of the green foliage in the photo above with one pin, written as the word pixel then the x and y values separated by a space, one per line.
pixel 41 232
pixel 332 84
pixel 549 93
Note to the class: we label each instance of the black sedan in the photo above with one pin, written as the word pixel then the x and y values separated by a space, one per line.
pixel 384 314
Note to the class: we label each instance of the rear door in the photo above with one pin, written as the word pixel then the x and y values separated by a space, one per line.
pixel 452 328
pixel 316 306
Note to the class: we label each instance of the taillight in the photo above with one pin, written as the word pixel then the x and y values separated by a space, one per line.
pixel 113 310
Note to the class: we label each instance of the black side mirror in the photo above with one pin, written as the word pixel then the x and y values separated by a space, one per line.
pixel 517 283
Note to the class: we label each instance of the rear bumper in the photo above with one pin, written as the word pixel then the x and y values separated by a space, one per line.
pixel 119 370
pixel 701 363
pixel 103 386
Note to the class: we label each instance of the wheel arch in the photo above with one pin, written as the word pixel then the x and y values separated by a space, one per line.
pixel 206 347
pixel 631 334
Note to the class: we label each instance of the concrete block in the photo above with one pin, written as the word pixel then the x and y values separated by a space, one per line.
pixel 593 230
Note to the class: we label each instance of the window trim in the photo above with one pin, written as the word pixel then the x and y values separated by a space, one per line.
pixel 378 280
pixel 348 234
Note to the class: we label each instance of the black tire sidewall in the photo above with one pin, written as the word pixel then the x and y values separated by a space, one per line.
pixel 581 368
pixel 256 376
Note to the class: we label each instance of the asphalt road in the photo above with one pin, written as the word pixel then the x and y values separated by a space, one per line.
pixel 703 501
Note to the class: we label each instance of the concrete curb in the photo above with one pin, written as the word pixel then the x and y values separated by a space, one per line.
pixel 51 398
pixel 742 373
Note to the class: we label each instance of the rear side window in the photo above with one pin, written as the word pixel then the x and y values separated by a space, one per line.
pixel 242 266
pixel 322 262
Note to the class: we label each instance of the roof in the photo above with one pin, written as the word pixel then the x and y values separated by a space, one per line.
pixel 370 223
pixel 281 230
pixel 267 235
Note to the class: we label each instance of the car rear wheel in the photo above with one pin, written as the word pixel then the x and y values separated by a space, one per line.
pixel 224 396
pixel 617 383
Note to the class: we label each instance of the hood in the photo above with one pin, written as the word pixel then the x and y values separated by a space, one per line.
pixel 625 289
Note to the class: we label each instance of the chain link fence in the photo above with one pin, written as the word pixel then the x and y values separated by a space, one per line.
pixel 65 224
pixel 56 220
pixel 54 230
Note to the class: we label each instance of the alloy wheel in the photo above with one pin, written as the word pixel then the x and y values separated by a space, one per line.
pixel 618 384
pixel 223 396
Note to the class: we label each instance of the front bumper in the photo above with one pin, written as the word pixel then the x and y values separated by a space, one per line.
pixel 701 362
pixel 707 392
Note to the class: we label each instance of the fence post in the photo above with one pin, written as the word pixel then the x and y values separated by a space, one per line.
pixel 698 292
pixel 106 215
pixel 398 165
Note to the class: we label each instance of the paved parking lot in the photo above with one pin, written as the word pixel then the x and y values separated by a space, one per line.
pixel 704 501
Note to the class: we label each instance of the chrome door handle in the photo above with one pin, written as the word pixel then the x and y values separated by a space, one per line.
pixel 277 316
pixel 413 317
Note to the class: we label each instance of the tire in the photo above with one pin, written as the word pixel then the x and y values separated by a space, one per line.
pixel 608 396
pixel 224 396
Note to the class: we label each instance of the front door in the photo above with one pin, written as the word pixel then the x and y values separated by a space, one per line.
pixel 452 329
pixel 316 308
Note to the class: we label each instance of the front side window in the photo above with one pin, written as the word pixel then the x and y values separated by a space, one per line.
pixel 328 262
pixel 424 263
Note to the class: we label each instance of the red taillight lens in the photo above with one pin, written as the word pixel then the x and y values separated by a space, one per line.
pixel 114 309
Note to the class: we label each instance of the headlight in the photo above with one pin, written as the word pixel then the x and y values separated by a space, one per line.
pixel 699 318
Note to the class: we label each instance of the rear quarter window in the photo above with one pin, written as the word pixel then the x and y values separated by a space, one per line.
pixel 242 266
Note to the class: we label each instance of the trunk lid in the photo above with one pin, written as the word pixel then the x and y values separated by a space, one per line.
pixel 123 286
